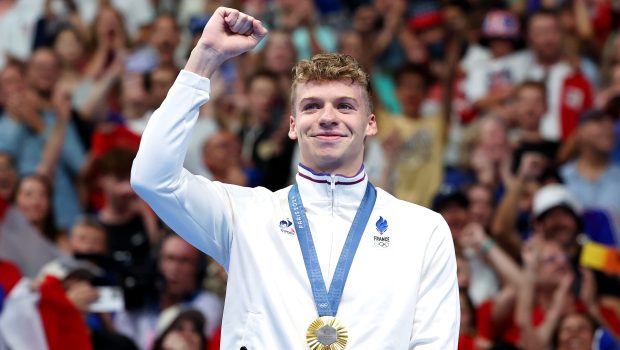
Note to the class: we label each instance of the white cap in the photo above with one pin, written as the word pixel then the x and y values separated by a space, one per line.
pixel 554 195
pixel 166 318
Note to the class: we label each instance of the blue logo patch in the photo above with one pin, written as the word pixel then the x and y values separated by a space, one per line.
pixel 286 226
pixel 382 225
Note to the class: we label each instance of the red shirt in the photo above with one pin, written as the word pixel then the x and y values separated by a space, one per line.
pixel 9 276
pixel 3 208
pixel 508 332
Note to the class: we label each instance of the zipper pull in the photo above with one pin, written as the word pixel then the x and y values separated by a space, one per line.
pixel 333 182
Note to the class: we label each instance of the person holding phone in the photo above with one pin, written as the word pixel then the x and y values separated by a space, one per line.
pixel 392 277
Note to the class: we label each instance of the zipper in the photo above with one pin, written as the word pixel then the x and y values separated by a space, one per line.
pixel 332 186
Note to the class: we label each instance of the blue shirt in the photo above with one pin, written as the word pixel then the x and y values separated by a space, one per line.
pixel 615 153
pixel 603 193
pixel 26 148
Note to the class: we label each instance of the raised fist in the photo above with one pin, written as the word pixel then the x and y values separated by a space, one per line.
pixel 228 33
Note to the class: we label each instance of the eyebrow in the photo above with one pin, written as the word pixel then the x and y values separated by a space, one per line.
pixel 339 98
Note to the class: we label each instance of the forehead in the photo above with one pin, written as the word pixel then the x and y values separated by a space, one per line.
pixel 32 182
pixel 551 248
pixel 480 192
pixel 43 57
pixel 81 229
pixel 178 247
pixel 263 82
pixel 543 20
pixel 329 90
pixel 529 90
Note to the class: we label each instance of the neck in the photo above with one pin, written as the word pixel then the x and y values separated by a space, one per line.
pixel 413 113
pixel 167 299
pixel 547 62
pixel 113 216
pixel 342 171
pixel 531 135
pixel 591 163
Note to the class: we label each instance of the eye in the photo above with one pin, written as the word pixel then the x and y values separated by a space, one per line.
pixel 346 106
pixel 310 106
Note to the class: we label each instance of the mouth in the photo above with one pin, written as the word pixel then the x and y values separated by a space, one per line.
pixel 328 137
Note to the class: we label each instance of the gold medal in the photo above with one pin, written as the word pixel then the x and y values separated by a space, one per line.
pixel 327 333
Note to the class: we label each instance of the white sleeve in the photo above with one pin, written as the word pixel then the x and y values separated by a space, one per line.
pixel 437 312
pixel 476 83
pixel 197 209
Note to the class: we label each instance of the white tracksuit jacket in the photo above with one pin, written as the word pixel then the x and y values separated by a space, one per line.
pixel 401 292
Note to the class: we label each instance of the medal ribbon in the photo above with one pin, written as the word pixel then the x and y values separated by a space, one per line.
pixel 327 302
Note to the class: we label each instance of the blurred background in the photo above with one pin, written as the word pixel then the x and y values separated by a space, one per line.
pixel 503 116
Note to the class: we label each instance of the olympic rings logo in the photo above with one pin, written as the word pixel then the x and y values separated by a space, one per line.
pixel 382 244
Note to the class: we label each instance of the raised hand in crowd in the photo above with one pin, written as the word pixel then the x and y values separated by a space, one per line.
pixel 546 285
pixel 61 103
pixel 82 294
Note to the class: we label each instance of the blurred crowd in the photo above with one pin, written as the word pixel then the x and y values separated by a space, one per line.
pixel 503 116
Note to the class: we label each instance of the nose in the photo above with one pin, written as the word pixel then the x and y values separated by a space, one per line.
pixel 328 116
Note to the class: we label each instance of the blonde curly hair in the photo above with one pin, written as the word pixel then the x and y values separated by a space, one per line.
pixel 331 67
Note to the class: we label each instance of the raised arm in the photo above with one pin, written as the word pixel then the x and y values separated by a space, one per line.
pixel 53 146
pixel 195 208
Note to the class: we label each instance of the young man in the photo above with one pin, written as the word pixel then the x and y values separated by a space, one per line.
pixel 401 291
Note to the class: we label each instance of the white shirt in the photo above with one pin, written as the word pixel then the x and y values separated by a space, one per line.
pixel 527 67
pixel 403 296
pixel 17 29
pixel 141 325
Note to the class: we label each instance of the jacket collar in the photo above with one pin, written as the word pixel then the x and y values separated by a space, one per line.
pixel 323 187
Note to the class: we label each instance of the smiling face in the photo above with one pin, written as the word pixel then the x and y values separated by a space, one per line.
pixel 33 200
pixel 331 120
pixel 575 332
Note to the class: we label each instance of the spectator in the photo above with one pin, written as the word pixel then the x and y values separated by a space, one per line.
pixel 278 56
pixel 70 47
pixel 265 144
pixel 181 267
pixel 131 227
pixel 568 91
pixel 84 80
pixel 109 39
pixel 87 246
pixel 184 331
pixel 481 204
pixel 18 22
pixel 222 156
pixel 493 81
pixel 164 40
pixel 156 86
pixel 81 292
pixel 415 140
pixel 33 198
pixel 467 332
pixel 527 138
pixel 489 156
pixel 8 181
pixel 38 109
pixel 11 82
pixel 309 36
pixel 591 176
pixel 575 331
pixel 546 294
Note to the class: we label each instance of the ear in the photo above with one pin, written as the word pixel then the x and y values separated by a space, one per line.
pixel 371 127
pixel 292 131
